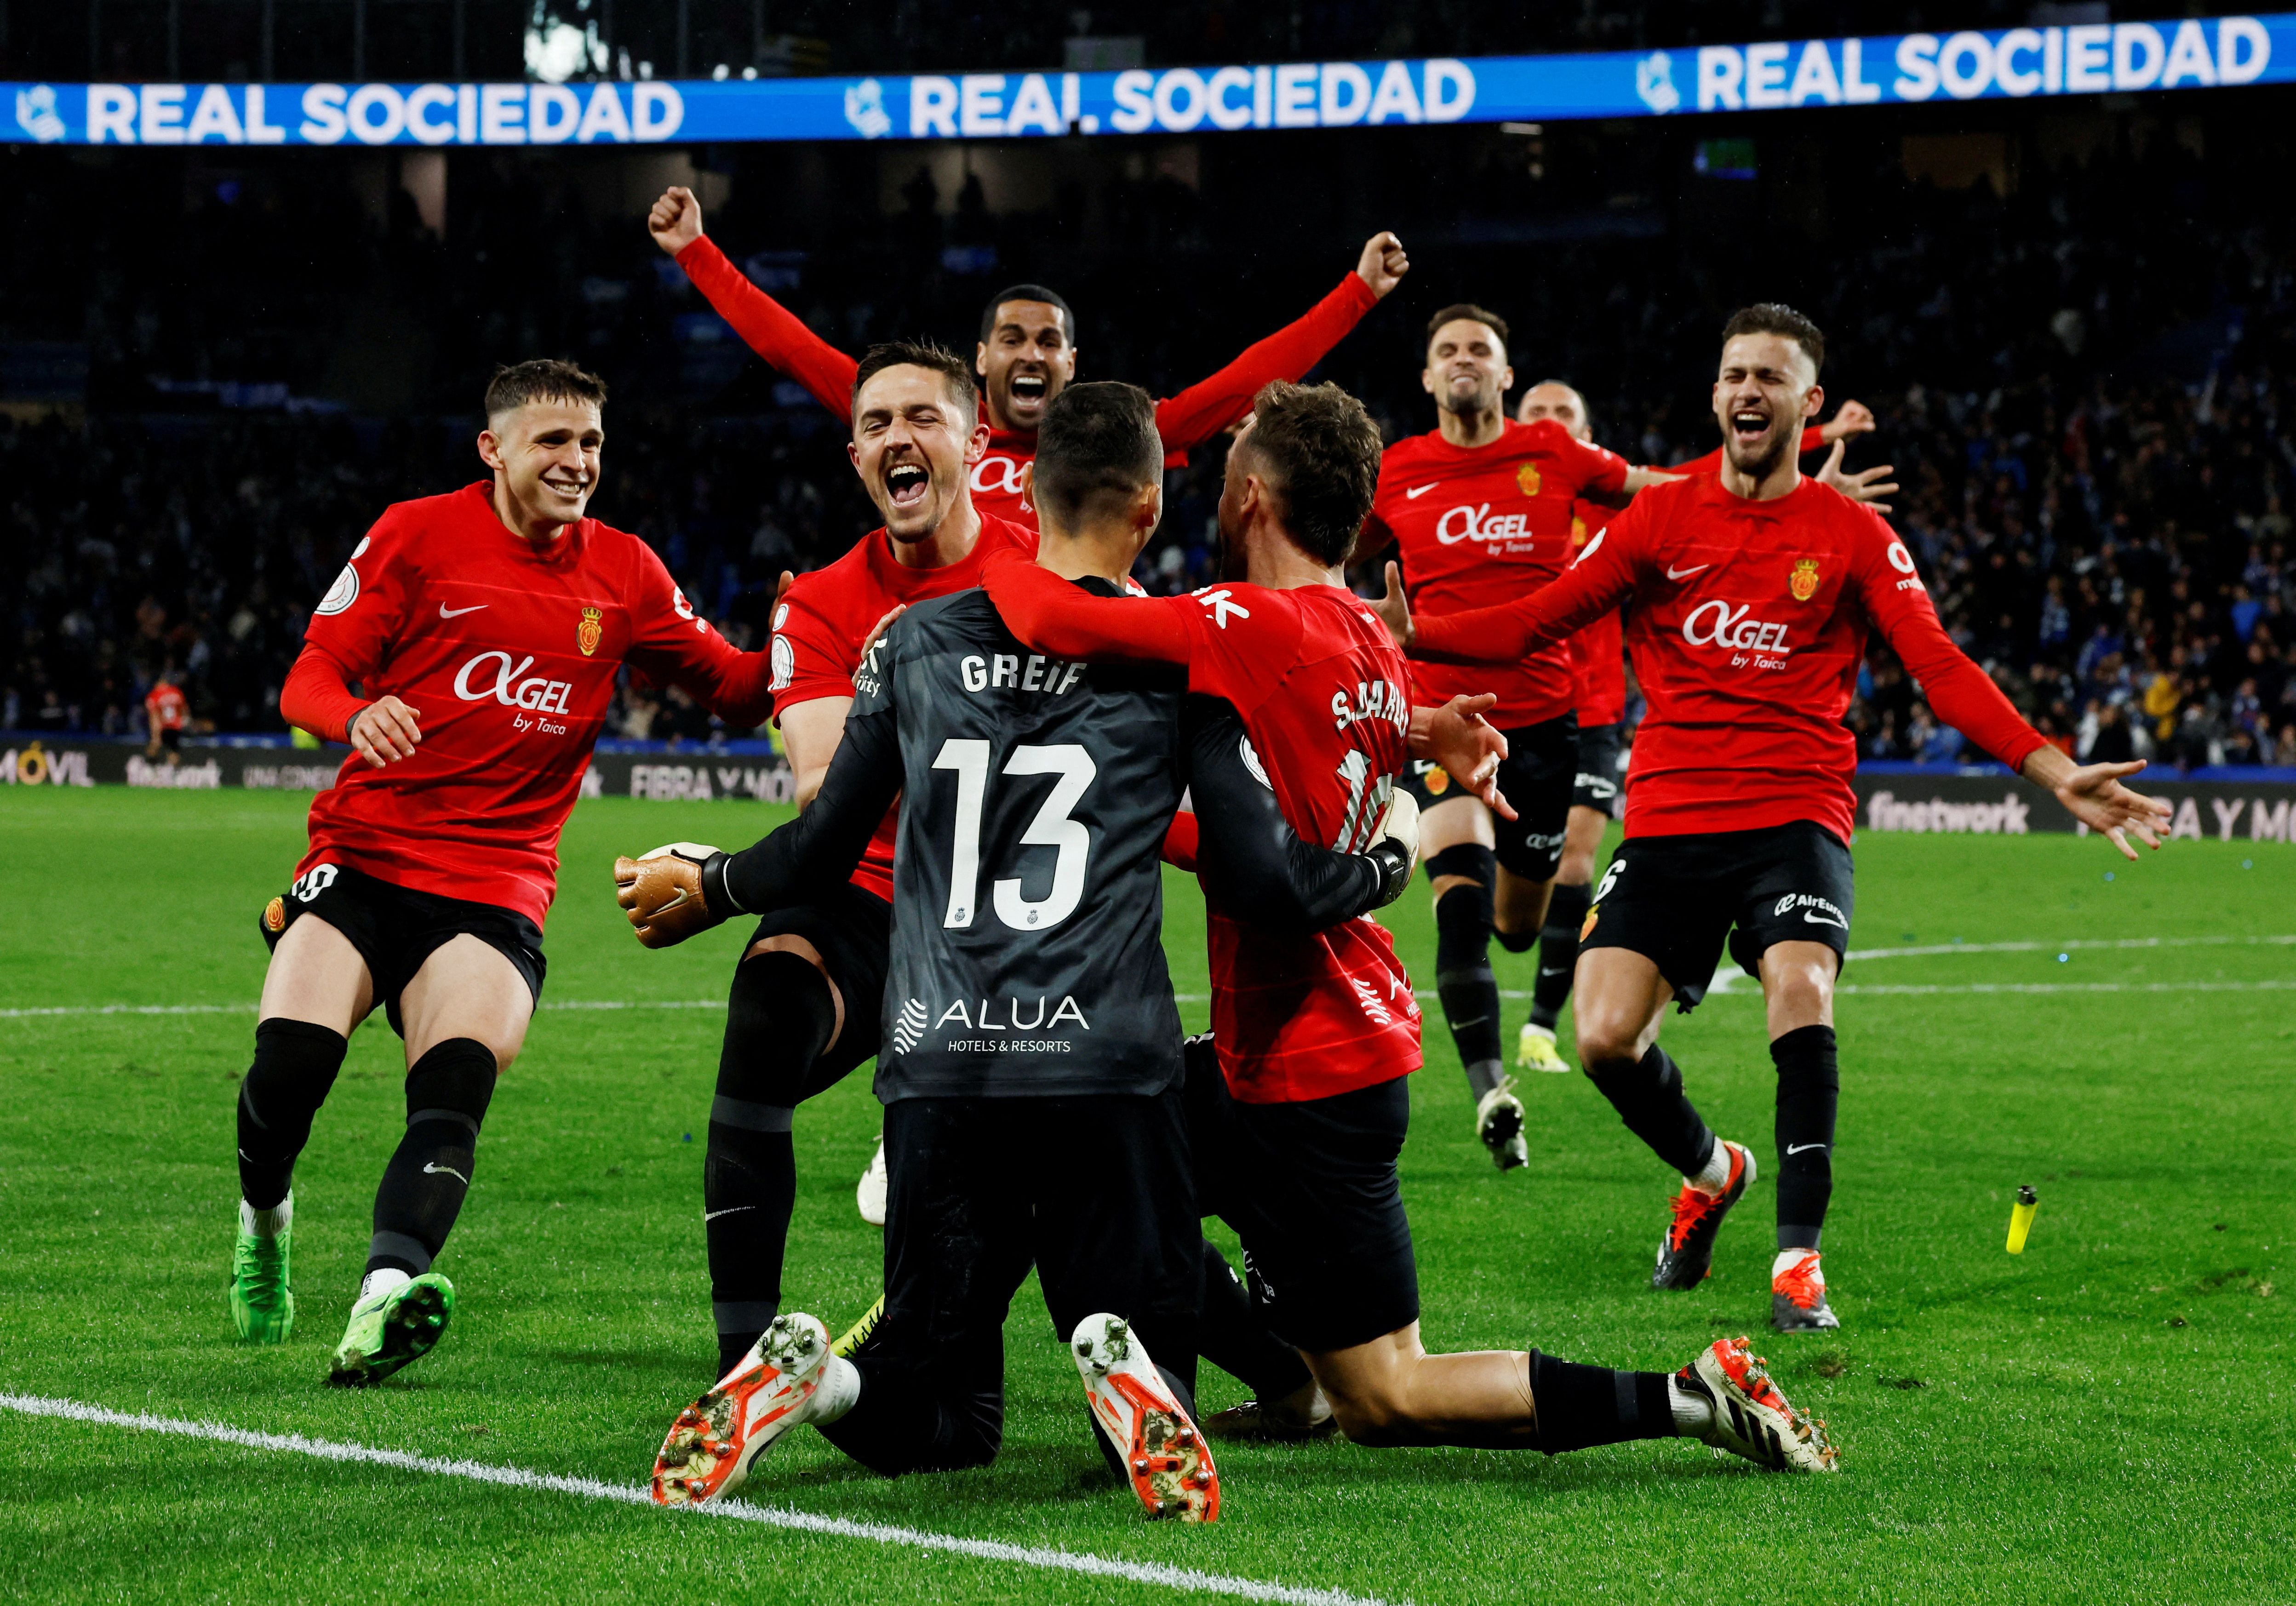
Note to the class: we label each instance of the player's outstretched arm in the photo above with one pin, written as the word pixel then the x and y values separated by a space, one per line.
pixel 1211 404
pixel 2093 794
pixel 1512 631
pixel 1254 865
pixel 771 329
pixel 1455 735
pixel 1054 615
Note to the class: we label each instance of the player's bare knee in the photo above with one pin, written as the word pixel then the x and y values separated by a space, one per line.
pixel 1607 1036
pixel 1372 1415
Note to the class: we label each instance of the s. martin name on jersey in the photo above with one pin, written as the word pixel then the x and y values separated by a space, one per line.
pixel 916 1021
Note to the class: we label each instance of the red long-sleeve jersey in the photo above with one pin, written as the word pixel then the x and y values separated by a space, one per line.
pixel 1749 621
pixel 1189 419
pixel 507 653
pixel 1598 650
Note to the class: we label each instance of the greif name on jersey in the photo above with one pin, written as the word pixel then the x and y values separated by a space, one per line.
pixel 917 1022
pixel 1002 671
pixel 1373 699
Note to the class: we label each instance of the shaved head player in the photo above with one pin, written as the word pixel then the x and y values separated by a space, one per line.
pixel 487 628
pixel 1027 351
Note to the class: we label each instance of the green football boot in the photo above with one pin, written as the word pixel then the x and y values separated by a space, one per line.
pixel 388 1329
pixel 262 1301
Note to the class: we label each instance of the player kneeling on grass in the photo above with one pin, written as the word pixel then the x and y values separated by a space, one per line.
pixel 1317 1031
pixel 1032 1062
pixel 487 627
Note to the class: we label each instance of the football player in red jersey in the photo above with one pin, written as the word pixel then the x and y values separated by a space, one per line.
pixel 1027 351
pixel 1598 665
pixel 1300 1125
pixel 1478 506
pixel 486 628
pixel 803 1009
pixel 1753 591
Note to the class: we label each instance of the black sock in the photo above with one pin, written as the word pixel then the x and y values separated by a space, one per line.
pixel 447 1091
pixel 778 1019
pixel 1647 1093
pixel 1558 953
pixel 295 1065
pixel 1809 1090
pixel 1232 1338
pixel 1579 1406
pixel 1470 993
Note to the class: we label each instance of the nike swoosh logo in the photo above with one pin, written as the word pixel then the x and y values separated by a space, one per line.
pixel 680 902
pixel 1554 969
pixel 1812 918
pixel 433 1166
pixel 1422 491
pixel 1798 1148
pixel 446 612
pixel 729 1210
pixel 1683 574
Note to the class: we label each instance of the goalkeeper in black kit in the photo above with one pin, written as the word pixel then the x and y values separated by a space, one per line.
pixel 1032 1063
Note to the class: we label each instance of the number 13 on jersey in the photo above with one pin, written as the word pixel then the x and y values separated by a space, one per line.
pixel 1052 828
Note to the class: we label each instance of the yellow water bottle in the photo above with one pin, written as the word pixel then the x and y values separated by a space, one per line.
pixel 2020 1219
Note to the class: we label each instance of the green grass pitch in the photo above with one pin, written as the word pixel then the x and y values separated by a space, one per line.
pixel 2107 1418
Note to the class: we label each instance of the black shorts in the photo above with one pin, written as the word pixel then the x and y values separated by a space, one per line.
pixel 395 928
pixel 171 738
pixel 1673 899
pixel 1311 1188
pixel 852 931
pixel 1535 776
pixel 1093 1190
pixel 1598 784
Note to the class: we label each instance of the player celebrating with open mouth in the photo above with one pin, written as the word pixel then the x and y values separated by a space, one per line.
pixel 1317 1033
pixel 1478 504
pixel 1753 593
pixel 1032 1059
pixel 1027 351
pixel 487 628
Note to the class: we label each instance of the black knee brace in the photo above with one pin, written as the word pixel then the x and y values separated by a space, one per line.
pixel 295 1066
pixel 1810 1092
pixel 447 1091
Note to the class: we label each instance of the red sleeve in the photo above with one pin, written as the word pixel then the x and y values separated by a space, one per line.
pixel 359 619
pixel 1209 405
pixel 1603 578
pixel 813 657
pixel 1602 472
pixel 1813 439
pixel 1959 692
pixel 670 642
pixel 772 330
pixel 317 697
pixel 1180 842
pixel 1054 616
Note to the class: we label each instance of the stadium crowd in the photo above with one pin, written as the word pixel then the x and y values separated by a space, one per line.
pixel 2085 402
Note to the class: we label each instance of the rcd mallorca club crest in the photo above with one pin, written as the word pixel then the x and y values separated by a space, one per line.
pixel 1803 581
pixel 1527 477
pixel 587 633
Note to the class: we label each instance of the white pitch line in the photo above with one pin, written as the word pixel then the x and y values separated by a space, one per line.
pixel 590 1489
pixel 1934 949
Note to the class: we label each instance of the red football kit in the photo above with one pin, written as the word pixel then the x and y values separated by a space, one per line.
pixel 1326 699
pixel 1597 652
pixel 1750 623
pixel 829 612
pixel 167 704
pixel 508 653
pixel 1189 419
pixel 1475 524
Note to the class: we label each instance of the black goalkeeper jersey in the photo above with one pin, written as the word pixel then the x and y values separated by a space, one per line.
pixel 1028 958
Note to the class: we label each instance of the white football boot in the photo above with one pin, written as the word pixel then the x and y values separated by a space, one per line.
pixel 1165 1457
